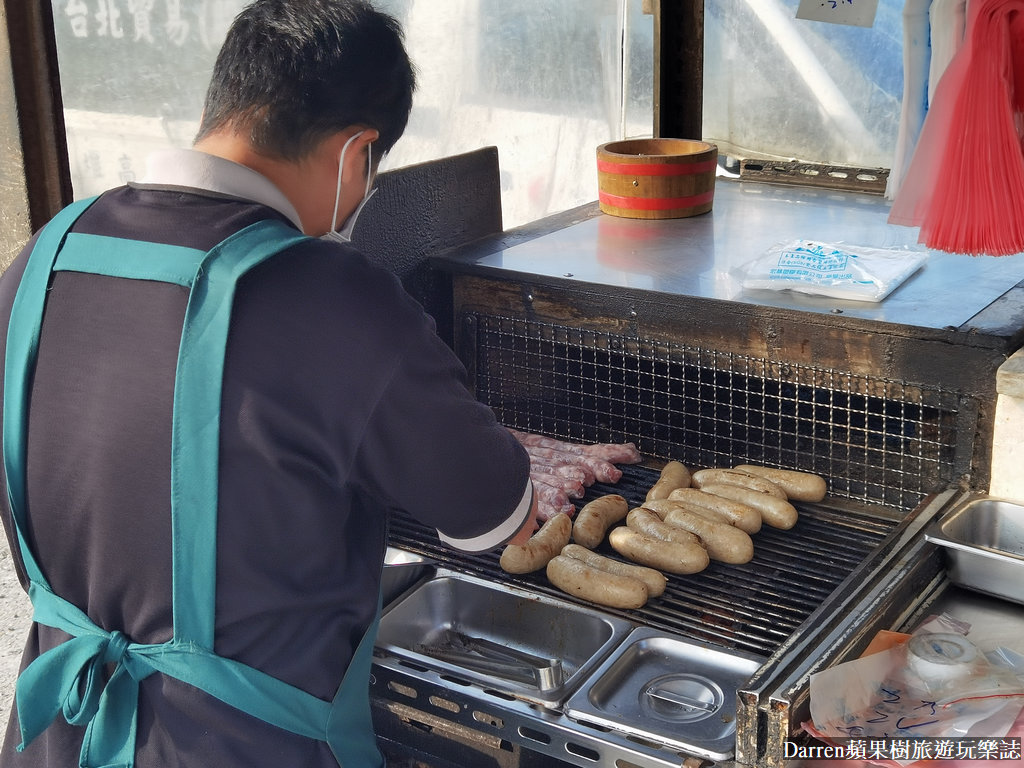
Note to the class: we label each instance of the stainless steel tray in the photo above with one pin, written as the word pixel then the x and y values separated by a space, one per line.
pixel 984 545
pixel 667 690
pixel 498 636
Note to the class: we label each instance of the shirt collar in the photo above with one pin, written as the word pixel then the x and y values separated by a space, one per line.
pixel 193 169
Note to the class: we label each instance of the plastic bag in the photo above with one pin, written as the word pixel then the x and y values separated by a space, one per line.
pixel 965 183
pixel 836 270
pixel 937 684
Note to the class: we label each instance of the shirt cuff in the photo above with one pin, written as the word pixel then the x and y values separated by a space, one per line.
pixel 496 536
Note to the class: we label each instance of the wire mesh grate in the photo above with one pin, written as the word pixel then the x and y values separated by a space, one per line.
pixel 752 607
pixel 876 440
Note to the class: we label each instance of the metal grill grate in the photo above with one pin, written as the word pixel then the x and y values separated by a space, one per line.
pixel 752 607
pixel 875 440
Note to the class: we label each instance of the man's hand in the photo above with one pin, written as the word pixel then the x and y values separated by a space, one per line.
pixel 529 527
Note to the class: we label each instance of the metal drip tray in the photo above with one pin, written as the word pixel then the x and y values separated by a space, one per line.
pixel 498 637
pixel 667 690
pixel 983 540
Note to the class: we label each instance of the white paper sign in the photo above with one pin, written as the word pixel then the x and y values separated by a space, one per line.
pixel 857 13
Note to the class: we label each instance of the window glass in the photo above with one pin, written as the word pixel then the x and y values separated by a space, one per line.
pixel 778 87
pixel 544 82
pixel 133 75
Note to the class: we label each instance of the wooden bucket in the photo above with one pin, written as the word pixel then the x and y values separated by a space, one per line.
pixel 656 178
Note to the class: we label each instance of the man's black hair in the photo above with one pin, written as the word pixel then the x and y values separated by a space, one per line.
pixel 294 71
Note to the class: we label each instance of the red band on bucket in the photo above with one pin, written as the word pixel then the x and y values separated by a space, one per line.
pixel 656 169
pixel 656 203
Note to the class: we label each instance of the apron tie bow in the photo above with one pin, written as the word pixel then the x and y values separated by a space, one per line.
pixel 70 680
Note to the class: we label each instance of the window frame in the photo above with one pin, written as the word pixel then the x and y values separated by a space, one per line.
pixel 39 107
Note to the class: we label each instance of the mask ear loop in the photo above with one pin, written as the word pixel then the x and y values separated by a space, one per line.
pixel 369 169
pixel 341 166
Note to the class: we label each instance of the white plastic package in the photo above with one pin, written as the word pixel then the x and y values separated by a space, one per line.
pixel 935 685
pixel 836 270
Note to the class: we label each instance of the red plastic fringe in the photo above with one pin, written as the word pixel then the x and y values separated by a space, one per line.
pixel 965 183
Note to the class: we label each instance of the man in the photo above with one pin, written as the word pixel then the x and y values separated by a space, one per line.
pixel 208 415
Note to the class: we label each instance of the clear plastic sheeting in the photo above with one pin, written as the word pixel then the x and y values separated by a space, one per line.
pixel 544 82
pixel 965 184
pixel 778 87
pixel 933 31
pixel 947 19
pixel 916 80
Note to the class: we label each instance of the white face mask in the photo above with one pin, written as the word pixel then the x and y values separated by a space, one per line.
pixel 344 235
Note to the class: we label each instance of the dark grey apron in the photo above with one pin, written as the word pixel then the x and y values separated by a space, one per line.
pixel 69 679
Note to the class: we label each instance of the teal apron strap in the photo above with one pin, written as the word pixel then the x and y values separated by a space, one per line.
pixel 195 437
pixel 350 733
pixel 115 257
pixel 19 364
pixel 195 451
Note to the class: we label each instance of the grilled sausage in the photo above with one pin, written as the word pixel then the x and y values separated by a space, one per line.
pixel 654 580
pixel 649 523
pixel 776 512
pixel 669 556
pixel 749 480
pixel 743 516
pixel 582 580
pixel 661 507
pixel 540 548
pixel 673 475
pixel 709 514
pixel 801 486
pixel 724 542
pixel 596 518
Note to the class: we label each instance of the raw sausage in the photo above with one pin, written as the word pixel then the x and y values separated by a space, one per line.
pixel 776 512
pixel 539 549
pixel 655 580
pixel 601 470
pixel 570 471
pixel 582 580
pixel 749 480
pixel 669 556
pixel 801 486
pixel 743 516
pixel 673 475
pixel 617 453
pixel 573 489
pixel 551 459
pixel 551 501
pixel 596 518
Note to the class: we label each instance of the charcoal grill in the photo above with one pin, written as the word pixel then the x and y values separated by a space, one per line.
pixel 635 337
pixel 752 607
pixel 799 585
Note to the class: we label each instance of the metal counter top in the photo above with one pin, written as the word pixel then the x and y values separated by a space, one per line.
pixel 703 256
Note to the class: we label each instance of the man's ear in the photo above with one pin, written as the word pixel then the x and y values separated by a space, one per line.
pixel 355 156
